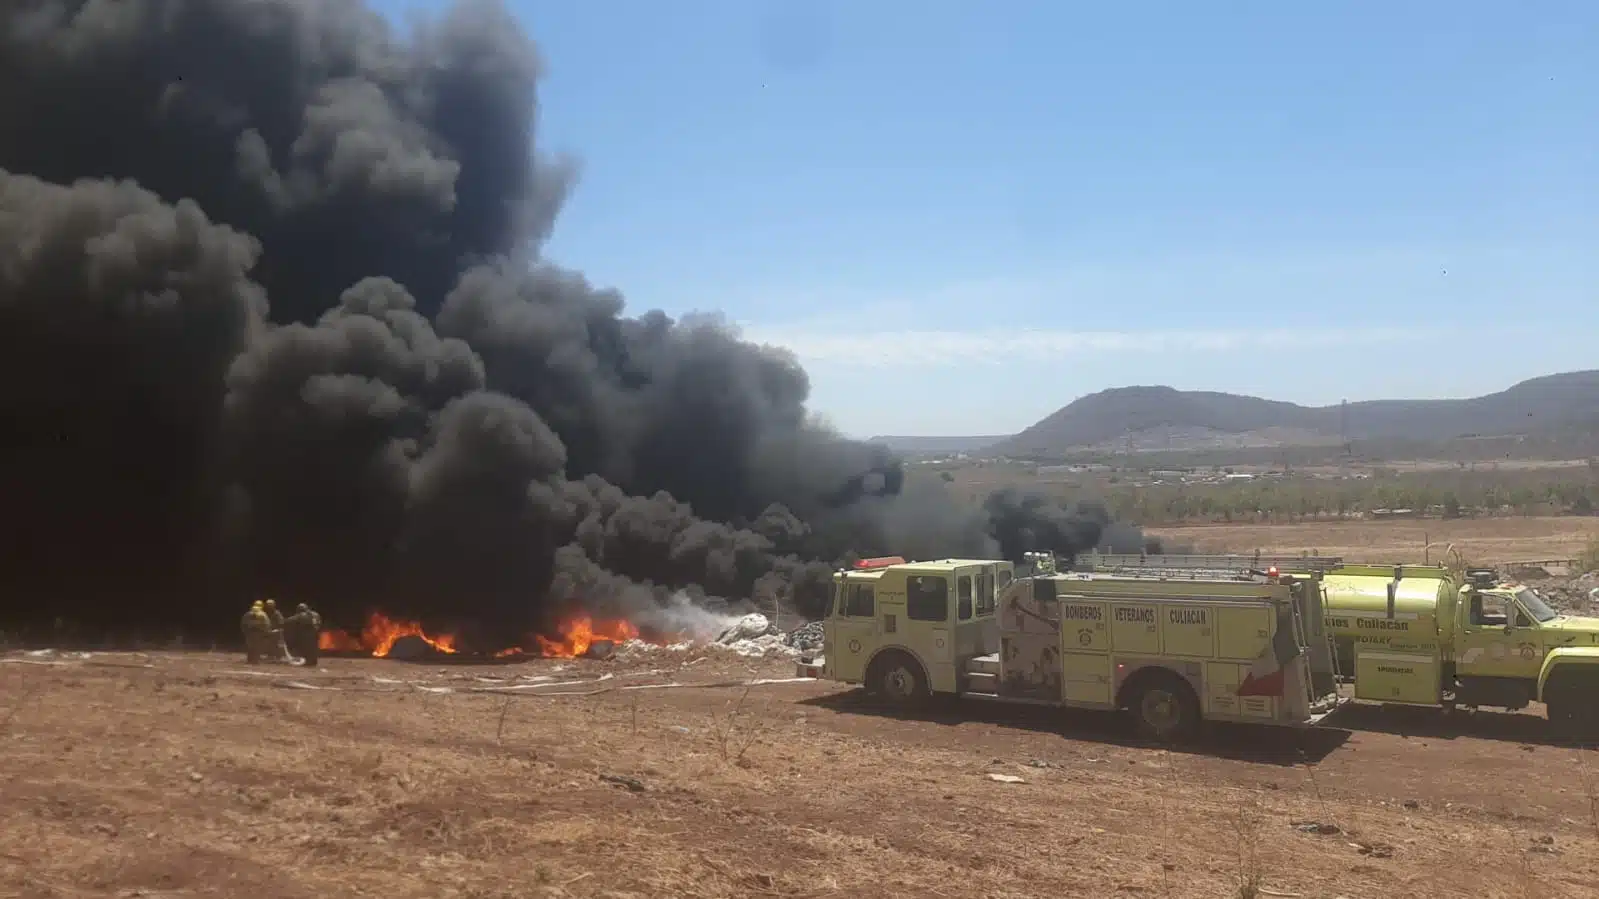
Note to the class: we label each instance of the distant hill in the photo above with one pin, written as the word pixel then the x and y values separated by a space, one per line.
pixel 1158 418
pixel 935 444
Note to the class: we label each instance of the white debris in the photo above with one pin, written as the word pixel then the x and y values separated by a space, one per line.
pixel 49 657
pixel 634 648
pixel 746 627
pixel 765 646
pixel 747 636
pixel 300 685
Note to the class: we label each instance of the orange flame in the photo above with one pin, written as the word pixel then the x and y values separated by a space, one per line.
pixel 338 641
pixel 579 632
pixel 379 636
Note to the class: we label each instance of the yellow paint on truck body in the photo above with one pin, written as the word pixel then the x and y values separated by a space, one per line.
pixel 1358 609
pixel 1566 656
pixel 937 611
pixel 1209 633
pixel 1384 674
pixel 1502 631
pixel 1426 635
pixel 1073 639
pixel 1185 627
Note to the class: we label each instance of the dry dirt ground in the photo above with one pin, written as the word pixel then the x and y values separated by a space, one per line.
pixel 165 775
pixel 1484 540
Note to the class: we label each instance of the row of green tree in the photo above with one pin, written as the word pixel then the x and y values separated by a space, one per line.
pixel 1511 493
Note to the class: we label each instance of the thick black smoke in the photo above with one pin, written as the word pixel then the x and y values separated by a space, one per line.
pixel 1024 522
pixel 274 320
pixel 1021 522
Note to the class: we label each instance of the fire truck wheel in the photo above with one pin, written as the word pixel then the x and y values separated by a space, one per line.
pixel 1571 717
pixel 1165 708
pixel 898 679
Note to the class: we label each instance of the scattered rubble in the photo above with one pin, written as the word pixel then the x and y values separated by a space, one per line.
pixel 1575 596
pixel 806 637
pixel 752 636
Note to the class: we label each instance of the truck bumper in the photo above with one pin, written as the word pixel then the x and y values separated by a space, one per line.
pixel 1326 707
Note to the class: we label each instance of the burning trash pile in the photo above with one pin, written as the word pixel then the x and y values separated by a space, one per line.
pixel 752 636
pixel 580 636
pixel 398 639
pixel 388 638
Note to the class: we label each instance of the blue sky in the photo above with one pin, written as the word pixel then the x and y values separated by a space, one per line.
pixel 963 215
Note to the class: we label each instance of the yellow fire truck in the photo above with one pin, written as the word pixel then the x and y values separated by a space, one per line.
pixel 1423 635
pixel 1172 652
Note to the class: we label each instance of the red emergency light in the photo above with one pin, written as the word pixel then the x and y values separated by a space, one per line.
pixel 879 562
pixel 1272 571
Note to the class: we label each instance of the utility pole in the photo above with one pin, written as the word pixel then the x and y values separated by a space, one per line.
pixel 1343 435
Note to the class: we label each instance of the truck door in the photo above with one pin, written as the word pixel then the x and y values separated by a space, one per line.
pixel 854 632
pixel 1497 639
pixel 929 608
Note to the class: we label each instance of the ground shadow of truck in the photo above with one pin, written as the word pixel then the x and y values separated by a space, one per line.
pixel 1483 724
pixel 1237 742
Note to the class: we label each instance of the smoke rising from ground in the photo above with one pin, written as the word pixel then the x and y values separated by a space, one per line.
pixel 274 321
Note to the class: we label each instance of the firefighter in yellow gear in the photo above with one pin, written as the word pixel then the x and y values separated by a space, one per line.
pixel 257 629
pixel 301 631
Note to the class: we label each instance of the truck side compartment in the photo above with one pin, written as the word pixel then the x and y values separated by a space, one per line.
pixel 1110 643
pixel 1431 635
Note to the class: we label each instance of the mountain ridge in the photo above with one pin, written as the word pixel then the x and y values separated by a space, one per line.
pixel 1551 402
pixel 1181 418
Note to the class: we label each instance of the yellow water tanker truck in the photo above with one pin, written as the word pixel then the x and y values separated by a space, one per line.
pixel 1423 635
pixel 1419 636
pixel 1172 653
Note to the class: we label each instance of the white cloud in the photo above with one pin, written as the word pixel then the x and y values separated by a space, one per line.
pixel 868 348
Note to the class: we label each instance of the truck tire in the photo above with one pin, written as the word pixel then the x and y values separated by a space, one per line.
pixel 1572 712
pixel 1164 707
pixel 898 679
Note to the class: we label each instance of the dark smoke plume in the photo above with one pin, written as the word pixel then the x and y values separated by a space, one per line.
pixel 274 320
pixel 1023 522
